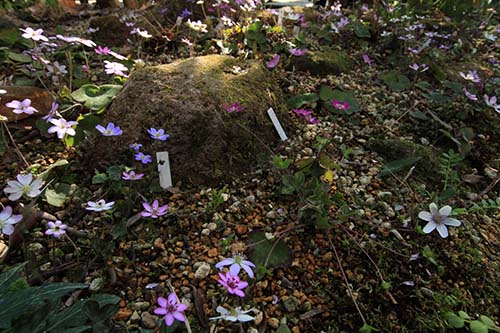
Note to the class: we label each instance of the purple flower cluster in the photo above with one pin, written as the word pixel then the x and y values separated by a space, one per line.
pixel 307 115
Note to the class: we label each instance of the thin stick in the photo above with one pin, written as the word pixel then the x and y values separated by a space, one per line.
pixel 14 144
pixel 345 279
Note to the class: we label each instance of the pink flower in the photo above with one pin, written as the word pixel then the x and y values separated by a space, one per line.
pixel 154 210
pixel 302 112
pixel 233 107
pixel 171 308
pixel 35 35
pixel 273 62
pixel 131 175
pixel 102 50
pixel 233 284
pixel 298 52
pixel 367 59
pixel 340 105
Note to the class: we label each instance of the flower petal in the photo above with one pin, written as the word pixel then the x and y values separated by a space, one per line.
pixel 429 227
pixel 445 210
pixel 224 262
pixel 179 316
pixel 244 318
pixel 234 269
pixel 162 302
pixel 443 231
pixel 451 221
pixel 169 319
pixel 160 311
pixel 433 208
pixel 426 216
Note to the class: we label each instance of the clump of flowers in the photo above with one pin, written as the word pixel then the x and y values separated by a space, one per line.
pixel 197 25
pixel 438 219
pixel 24 185
pixel 56 229
pixel 171 308
pixel 340 105
pixel 307 115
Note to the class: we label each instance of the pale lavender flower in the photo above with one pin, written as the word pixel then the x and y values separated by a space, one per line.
pixel 52 112
pixel 185 13
pixel 470 95
pixel 492 102
pixel 158 134
pixel 35 35
pixel 438 219
pixel 273 62
pixel 154 210
pixel 171 308
pixel 115 68
pixel 367 59
pixel 298 52
pixel 131 175
pixel 197 25
pixel 236 263
pixel 62 127
pixel 7 221
pixel 24 185
pixel 56 229
pixel 233 284
pixel 135 146
pixel 99 206
pixel 233 107
pixel 21 107
pixel 145 159
pixel 110 130
pixel 419 68
pixel 102 50
pixel 233 315
pixel 471 76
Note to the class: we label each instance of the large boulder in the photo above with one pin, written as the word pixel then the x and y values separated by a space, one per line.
pixel 207 144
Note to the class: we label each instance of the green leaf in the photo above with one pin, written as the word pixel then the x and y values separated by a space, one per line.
pixel 398 165
pixel 423 85
pixel 429 255
pixel 281 163
pixel 99 177
pixel 463 315
pixel 283 329
pixel 487 321
pixel 327 94
pixel 454 320
pixel 477 326
pixel 8 277
pixel 385 285
pixel 367 329
pixel 301 100
pixel 58 163
pixel 269 252
pixel 396 81
pixel 9 37
pixel 436 97
pixel 18 57
pixel 54 198
pixel 96 97
pixel 361 30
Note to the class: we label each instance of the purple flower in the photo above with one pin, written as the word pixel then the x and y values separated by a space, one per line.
pixel 102 50
pixel 56 229
pixel 135 146
pixel 273 62
pixel 7 221
pixel 21 107
pixel 158 134
pixel 492 102
pixel 340 105
pixel 237 262
pixel 52 112
pixel 145 159
pixel 469 95
pixel 233 107
pixel 302 112
pixel 154 210
pixel 298 52
pixel 185 13
pixel 367 59
pixel 171 308
pixel 233 284
pixel 131 175
pixel 471 76
pixel 110 130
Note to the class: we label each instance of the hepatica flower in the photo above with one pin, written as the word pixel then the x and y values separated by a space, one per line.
pixel 471 76
pixel 197 25
pixel 110 130
pixel 492 102
pixel 145 159
pixel 233 284
pixel 131 175
pixel 21 107
pixel 102 50
pixel 340 105
pixel 7 220
pixel 24 185
pixel 52 112
pixel 154 210
pixel 438 219
pixel 367 59
pixel 56 229
pixel 298 52
pixel 233 107
pixel 236 263
pixel 233 315
pixel 171 308
pixel 62 127
pixel 115 68
pixel 273 62
pixel 135 146
pixel 470 95
pixel 99 206
pixel 35 35
pixel 419 68
pixel 158 134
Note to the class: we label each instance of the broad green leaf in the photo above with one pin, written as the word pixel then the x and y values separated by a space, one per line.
pixel 96 97
pixel 54 198
pixel 283 329
pixel 463 315
pixel 454 320
pixel 396 81
pixel 8 277
pixel 361 30
pixel 301 100
pixel 327 94
pixel 367 329
pixel 18 57
pixel 487 321
pixel 398 165
pixel 269 252
pixel 477 326
pixel 58 163
pixel 9 37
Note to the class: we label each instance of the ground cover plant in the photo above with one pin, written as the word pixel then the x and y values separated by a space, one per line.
pixel 374 208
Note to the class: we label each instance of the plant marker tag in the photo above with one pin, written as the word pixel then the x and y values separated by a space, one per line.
pixel 164 169
pixel 277 124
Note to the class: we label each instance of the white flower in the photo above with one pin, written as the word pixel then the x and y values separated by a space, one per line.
pixel 115 68
pixel 23 185
pixel 143 33
pixel 438 220
pixel 99 206
pixel 233 315
pixel 35 35
pixel 236 263
pixel 492 102
pixel 7 220
pixel 197 25
pixel 62 127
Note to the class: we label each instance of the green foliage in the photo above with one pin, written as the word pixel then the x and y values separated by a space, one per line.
pixel 398 165
pixel 268 251
pixel 396 81
pixel 96 98
pixel 38 309
pixel 448 164
pixel 361 30
pixel 217 199
pixel 281 163
pixel 256 36
pixel 327 94
pixel 303 100
pixel 483 325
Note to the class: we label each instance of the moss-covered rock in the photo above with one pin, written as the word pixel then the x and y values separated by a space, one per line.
pixel 206 144
pixel 323 62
